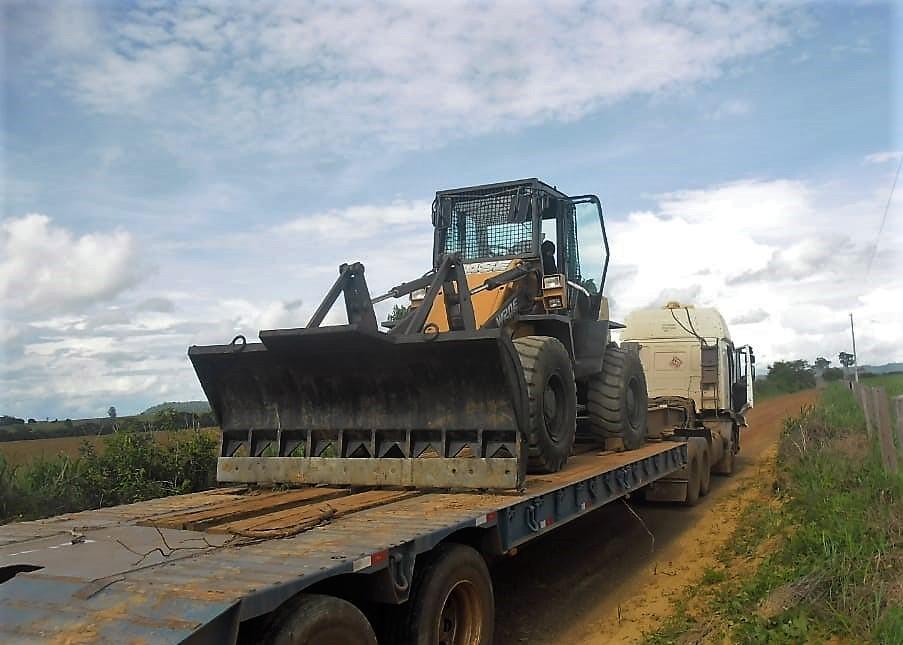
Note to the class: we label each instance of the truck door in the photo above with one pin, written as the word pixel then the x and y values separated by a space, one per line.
pixel 746 362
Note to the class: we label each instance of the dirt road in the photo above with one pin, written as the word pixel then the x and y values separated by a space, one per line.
pixel 598 580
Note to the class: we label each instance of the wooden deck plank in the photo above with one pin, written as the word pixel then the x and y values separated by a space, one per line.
pixel 294 520
pixel 243 507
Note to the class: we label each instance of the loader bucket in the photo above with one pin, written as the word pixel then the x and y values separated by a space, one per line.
pixel 343 405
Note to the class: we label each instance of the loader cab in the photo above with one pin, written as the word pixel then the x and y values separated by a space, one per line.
pixel 492 226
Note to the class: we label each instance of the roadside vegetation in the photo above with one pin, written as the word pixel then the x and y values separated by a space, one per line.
pixel 823 560
pixel 131 466
pixel 785 377
pixel 165 416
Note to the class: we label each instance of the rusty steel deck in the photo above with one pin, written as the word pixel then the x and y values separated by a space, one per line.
pixel 191 568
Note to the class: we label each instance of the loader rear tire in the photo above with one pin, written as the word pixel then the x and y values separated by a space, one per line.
pixel 616 398
pixel 552 401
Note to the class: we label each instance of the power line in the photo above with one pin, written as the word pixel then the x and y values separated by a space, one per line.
pixel 890 198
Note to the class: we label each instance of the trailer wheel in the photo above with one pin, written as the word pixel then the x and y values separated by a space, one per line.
pixel 726 465
pixel 694 478
pixel 616 399
pixel 451 600
pixel 314 619
pixel 705 475
pixel 552 401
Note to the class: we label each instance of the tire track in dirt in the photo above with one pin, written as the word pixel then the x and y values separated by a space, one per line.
pixel 597 581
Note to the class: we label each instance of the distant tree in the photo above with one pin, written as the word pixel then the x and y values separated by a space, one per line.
pixel 32 421
pixel 832 374
pixel 846 359
pixel 790 376
pixel 822 363
pixel 7 420
pixel 68 423
pixel 398 312
pixel 111 412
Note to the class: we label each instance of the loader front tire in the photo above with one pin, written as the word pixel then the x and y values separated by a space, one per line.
pixel 616 398
pixel 552 401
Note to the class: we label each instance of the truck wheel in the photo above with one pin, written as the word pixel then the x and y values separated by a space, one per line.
pixel 726 464
pixel 616 398
pixel 451 600
pixel 705 475
pixel 552 396
pixel 314 619
pixel 693 481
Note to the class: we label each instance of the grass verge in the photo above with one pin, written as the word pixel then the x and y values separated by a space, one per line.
pixel 822 558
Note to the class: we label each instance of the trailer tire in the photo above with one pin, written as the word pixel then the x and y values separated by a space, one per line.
pixel 705 475
pixel 693 481
pixel 451 599
pixel 616 398
pixel 552 401
pixel 725 465
pixel 315 619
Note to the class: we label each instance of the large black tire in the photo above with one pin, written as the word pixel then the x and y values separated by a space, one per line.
pixel 705 475
pixel 451 600
pixel 314 619
pixel 616 398
pixel 726 464
pixel 552 395
pixel 694 479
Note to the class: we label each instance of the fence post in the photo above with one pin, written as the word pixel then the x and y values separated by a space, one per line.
pixel 898 404
pixel 865 402
pixel 881 411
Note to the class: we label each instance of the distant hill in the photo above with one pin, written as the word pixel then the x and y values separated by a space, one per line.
pixel 196 407
pixel 882 369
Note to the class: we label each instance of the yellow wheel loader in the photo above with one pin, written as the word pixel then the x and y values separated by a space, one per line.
pixel 506 341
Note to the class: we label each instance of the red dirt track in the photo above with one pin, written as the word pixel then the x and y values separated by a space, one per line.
pixel 596 580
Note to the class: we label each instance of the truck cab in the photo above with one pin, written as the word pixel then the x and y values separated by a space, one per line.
pixel 700 384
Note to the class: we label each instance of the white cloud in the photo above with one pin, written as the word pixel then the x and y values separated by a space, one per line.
pixel 339 76
pixel 884 157
pixel 732 108
pixel 355 223
pixel 784 261
pixel 44 267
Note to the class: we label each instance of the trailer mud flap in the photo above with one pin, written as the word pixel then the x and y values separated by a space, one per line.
pixel 341 405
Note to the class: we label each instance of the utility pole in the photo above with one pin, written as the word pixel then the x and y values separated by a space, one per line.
pixel 855 360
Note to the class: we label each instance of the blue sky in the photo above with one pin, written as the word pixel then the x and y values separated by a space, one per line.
pixel 178 173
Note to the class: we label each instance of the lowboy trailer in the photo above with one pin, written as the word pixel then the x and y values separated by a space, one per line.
pixel 244 565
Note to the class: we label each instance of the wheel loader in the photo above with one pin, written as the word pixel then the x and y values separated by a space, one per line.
pixel 505 343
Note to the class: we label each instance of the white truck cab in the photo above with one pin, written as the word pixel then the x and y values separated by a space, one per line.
pixel 700 386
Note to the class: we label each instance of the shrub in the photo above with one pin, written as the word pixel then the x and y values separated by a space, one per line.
pixel 133 466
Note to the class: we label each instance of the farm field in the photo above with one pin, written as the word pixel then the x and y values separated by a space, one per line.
pixel 17 453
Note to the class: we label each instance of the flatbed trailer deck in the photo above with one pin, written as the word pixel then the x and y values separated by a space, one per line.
pixel 203 567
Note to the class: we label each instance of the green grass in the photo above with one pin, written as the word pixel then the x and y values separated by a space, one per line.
pixel 834 561
pixel 892 383
pixel 132 466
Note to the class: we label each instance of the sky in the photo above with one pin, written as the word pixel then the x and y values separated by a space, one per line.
pixel 177 173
